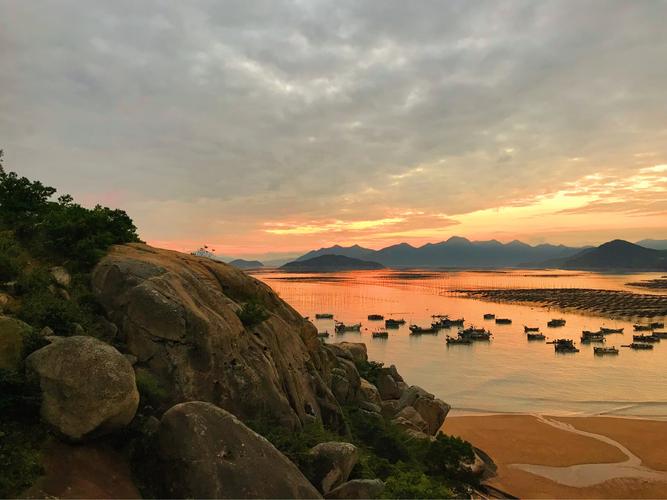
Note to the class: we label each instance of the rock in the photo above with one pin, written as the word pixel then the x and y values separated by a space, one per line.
pixel 131 358
pixel 88 387
pixel 46 332
pixel 369 393
pixel 61 276
pixel 333 462
pixel 373 408
pixel 90 470
pixel 387 386
pixel 357 350
pixel 432 410
pixel 12 334
pixel 78 329
pixel 345 381
pixel 415 420
pixel 390 407
pixel 205 452
pixel 177 314
pixel 358 489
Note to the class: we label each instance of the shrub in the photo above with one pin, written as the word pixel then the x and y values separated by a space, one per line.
pixel 11 260
pixel 43 308
pixel 252 313
pixel 445 455
pixel 370 370
pixel 150 389
pixel 20 456
pixel 415 484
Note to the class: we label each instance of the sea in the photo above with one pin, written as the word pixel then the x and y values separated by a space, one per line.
pixel 508 374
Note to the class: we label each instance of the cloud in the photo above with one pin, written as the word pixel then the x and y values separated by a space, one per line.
pixel 209 119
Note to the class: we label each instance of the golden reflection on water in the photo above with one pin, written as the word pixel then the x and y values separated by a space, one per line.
pixel 508 374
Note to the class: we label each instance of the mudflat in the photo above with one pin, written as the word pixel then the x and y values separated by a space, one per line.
pixel 570 457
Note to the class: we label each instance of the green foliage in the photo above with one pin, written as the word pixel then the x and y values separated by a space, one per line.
pixel 150 389
pixel 11 257
pixel 415 484
pixel 252 313
pixel 445 454
pixel 20 456
pixel 43 308
pixel 60 231
pixel 370 370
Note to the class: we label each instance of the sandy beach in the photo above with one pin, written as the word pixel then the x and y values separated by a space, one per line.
pixel 570 457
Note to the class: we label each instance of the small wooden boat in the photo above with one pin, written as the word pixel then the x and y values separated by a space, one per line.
pixel 375 317
pixel 642 328
pixel 447 323
pixel 324 316
pixel 610 330
pixel 489 316
pixel 380 334
pixel 418 330
pixel 459 340
pixel 555 323
pixel 593 337
pixel 601 351
pixel 645 338
pixel 535 336
pixel 342 327
pixel 393 323
pixel 564 345
pixel 660 335
pixel 657 324
pixel 322 335
pixel 527 329
pixel 475 334
pixel 503 321
pixel 639 346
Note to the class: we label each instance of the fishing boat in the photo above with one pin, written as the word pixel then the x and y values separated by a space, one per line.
pixel 418 330
pixel 645 338
pixel 527 329
pixel 657 324
pixel 610 330
pixel 459 340
pixel 375 317
pixel 322 335
pixel 503 321
pixel 601 351
pixel 382 334
pixel 639 346
pixel 564 345
pixel 642 328
pixel 660 335
pixel 475 334
pixel 324 316
pixel 592 337
pixel 554 323
pixel 489 316
pixel 535 336
pixel 393 323
pixel 448 323
pixel 342 327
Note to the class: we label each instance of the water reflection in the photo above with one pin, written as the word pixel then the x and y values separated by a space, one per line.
pixel 507 374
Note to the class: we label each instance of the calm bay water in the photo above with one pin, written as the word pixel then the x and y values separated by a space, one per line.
pixel 507 374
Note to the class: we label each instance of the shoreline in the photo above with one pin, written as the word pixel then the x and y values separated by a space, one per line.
pixel 459 413
pixel 546 456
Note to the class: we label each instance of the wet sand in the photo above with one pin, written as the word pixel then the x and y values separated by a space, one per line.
pixel 609 303
pixel 570 457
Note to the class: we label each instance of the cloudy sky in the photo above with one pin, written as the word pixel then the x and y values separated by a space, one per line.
pixel 267 126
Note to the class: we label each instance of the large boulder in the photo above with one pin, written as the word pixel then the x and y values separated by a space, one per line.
pixel 358 488
pixel 333 462
pixel 432 410
pixel 12 335
pixel 409 418
pixel 357 350
pixel 205 452
pixel 88 387
pixel 177 314
pixel 369 393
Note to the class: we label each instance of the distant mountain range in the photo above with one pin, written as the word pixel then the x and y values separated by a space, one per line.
pixel 654 244
pixel 246 264
pixel 330 263
pixel 455 252
pixel 617 254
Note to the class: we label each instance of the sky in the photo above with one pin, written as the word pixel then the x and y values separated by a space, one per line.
pixel 267 128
